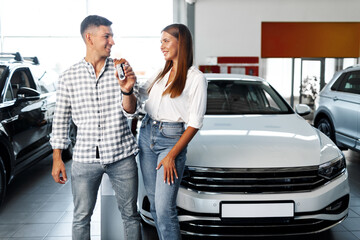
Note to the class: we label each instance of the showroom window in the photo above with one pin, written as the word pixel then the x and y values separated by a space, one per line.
pixel 51 30
pixel 307 74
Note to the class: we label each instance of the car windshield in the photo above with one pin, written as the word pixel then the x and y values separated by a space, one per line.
pixel 244 97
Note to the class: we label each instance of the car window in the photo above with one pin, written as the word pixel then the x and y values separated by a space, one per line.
pixel 235 97
pixel 351 83
pixel 21 78
pixel 337 83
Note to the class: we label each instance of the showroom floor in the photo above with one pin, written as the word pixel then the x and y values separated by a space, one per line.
pixel 36 208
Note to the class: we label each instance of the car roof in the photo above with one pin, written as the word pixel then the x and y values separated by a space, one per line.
pixel 353 67
pixel 228 76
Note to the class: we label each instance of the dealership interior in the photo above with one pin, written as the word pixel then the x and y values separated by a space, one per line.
pixel 296 45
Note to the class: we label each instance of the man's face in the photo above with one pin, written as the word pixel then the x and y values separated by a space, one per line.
pixel 102 40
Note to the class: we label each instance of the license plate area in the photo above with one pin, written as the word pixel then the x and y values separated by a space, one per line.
pixel 278 209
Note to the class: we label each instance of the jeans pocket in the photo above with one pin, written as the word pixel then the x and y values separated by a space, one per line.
pixel 172 131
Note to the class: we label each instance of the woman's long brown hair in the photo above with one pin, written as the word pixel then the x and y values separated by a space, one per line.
pixel 185 59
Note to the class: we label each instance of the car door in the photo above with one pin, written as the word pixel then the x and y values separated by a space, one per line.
pixel 26 125
pixel 346 109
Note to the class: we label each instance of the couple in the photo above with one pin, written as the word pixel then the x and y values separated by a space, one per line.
pixel 91 94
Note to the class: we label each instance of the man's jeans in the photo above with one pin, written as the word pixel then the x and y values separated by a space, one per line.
pixel 156 139
pixel 85 182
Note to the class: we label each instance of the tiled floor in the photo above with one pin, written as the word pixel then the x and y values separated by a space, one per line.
pixel 36 208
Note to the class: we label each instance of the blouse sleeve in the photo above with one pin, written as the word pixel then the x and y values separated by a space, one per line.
pixel 198 101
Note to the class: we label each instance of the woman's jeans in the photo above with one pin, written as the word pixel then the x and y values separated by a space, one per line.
pixel 85 182
pixel 156 139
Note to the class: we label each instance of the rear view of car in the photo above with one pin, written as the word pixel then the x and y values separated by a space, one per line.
pixel 257 168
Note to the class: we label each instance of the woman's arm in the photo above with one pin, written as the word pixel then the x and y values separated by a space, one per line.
pixel 168 162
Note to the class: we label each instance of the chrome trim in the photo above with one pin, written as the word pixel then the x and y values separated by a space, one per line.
pixel 252 170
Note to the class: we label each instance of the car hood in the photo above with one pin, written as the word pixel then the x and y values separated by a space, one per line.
pixel 259 141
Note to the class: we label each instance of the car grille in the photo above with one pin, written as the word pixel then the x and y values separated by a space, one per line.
pixel 236 229
pixel 264 180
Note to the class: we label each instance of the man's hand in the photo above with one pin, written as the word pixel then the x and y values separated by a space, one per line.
pixel 58 168
pixel 130 78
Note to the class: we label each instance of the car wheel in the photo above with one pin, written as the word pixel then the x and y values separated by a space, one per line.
pixel 326 127
pixel 2 181
pixel 67 153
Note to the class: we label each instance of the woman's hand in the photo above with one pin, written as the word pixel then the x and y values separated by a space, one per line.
pixel 130 78
pixel 169 161
pixel 168 164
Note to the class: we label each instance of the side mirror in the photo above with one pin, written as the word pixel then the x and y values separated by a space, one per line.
pixel 302 109
pixel 27 94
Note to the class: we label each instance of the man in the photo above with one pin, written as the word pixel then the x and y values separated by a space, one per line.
pixel 99 104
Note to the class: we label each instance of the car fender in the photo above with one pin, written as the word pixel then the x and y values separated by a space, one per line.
pixel 320 113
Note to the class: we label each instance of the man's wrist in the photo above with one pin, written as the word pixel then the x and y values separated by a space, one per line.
pixel 128 93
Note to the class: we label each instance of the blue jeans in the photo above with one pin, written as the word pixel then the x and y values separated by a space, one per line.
pixel 85 182
pixel 156 139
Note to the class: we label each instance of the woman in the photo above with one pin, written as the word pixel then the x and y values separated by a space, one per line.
pixel 176 100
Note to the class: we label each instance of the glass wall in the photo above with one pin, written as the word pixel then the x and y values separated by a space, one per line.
pixel 51 30
pixel 307 74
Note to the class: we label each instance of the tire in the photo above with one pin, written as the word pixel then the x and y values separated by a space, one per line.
pixel 325 126
pixel 3 181
pixel 67 153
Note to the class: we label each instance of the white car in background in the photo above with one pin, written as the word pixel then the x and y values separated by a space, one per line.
pixel 257 168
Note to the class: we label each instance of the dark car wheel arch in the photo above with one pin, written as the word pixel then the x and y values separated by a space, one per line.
pixel 325 125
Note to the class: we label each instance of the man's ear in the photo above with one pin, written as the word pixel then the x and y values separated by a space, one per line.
pixel 88 38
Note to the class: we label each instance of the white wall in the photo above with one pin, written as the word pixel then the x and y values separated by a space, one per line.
pixel 233 27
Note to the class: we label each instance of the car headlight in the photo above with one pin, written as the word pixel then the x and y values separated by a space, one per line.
pixel 332 169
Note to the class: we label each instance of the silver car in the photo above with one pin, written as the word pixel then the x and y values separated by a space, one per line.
pixel 338 109
pixel 257 168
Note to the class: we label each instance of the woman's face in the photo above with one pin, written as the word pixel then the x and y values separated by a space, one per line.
pixel 169 46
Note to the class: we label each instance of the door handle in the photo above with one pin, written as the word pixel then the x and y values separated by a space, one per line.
pixel 335 98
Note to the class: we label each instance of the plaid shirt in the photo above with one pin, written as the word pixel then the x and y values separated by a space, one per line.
pixel 95 106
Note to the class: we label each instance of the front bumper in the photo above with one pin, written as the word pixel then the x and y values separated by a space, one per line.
pixel 314 211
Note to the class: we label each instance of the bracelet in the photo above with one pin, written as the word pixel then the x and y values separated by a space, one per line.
pixel 128 93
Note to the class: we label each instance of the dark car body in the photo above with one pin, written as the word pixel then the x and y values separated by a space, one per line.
pixel 27 104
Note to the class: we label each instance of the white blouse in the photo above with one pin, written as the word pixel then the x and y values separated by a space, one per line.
pixel 189 107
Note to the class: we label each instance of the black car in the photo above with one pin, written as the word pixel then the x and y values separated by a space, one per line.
pixel 27 104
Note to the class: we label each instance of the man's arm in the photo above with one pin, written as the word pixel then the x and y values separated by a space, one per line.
pixel 129 103
pixel 60 137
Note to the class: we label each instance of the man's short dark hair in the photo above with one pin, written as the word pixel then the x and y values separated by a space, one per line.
pixel 93 20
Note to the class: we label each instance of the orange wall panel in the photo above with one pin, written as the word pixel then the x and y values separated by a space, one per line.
pixel 310 39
